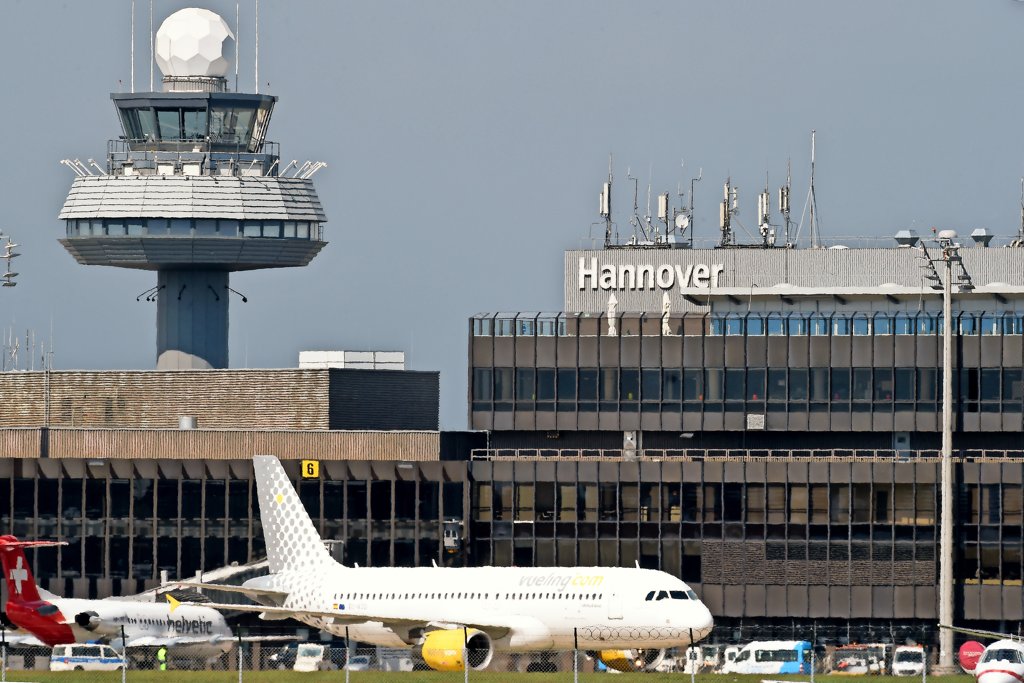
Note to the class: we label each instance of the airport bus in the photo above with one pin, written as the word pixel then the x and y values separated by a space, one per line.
pixel 772 657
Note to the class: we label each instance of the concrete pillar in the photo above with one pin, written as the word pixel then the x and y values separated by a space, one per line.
pixel 192 319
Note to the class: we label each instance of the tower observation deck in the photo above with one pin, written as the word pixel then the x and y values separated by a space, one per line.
pixel 193 190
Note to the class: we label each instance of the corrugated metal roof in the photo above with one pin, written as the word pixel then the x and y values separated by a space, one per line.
pixel 808 271
pixel 155 196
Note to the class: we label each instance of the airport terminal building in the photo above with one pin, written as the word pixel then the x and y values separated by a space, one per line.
pixel 769 432
pixel 766 424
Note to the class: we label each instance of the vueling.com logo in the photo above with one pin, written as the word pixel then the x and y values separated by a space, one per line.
pixel 563 581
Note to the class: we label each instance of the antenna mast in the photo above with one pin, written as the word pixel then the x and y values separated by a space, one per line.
pixel 784 199
pixel 764 209
pixel 815 231
pixel 1020 231
pixel 257 60
pixel 152 52
pixel 605 206
pixel 237 41
pixel 133 46
pixel 727 209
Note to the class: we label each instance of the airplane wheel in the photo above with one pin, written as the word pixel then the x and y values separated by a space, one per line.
pixel 78 668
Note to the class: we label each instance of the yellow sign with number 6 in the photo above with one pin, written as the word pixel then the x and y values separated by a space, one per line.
pixel 310 469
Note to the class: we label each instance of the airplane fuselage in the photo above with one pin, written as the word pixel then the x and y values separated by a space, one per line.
pixel 61 621
pixel 545 608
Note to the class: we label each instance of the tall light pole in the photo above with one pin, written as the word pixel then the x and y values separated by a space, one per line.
pixel 950 255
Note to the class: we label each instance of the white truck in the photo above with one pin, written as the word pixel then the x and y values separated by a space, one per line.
pixel 909 660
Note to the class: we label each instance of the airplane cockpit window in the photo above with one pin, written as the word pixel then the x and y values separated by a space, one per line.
pixel 662 595
pixel 679 595
pixel 650 596
pixel 692 594
pixel 1004 655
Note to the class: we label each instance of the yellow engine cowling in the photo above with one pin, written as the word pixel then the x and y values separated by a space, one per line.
pixel 631 660
pixel 443 650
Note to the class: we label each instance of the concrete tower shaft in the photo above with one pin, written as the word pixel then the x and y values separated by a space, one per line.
pixel 191 311
pixel 192 190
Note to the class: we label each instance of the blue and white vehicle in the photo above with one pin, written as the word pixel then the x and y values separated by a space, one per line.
pixel 772 657
pixel 85 657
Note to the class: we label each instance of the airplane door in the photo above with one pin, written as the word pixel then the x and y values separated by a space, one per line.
pixel 615 606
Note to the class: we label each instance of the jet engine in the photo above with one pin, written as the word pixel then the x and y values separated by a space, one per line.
pixel 631 660
pixel 443 650
pixel 88 620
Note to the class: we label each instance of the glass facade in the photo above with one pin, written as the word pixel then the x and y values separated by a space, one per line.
pixel 704 372
pixel 193 227
pixel 127 523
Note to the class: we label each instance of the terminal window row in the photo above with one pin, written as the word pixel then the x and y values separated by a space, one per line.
pixel 545 386
pixel 193 227
pixel 801 504
pixel 751 325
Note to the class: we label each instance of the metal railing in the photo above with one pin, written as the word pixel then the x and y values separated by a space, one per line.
pixel 123 154
pixel 744 455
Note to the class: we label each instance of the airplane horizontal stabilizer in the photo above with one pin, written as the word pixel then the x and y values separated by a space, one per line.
pixel 978 633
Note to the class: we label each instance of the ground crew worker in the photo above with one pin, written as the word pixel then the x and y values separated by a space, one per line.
pixel 161 657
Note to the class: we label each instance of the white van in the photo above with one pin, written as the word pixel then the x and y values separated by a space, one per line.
pixel 85 657
pixel 908 660
pixel 772 657
pixel 308 657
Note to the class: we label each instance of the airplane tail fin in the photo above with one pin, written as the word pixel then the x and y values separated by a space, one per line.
pixel 292 540
pixel 21 585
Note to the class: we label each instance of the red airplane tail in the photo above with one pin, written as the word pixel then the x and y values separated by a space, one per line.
pixel 21 585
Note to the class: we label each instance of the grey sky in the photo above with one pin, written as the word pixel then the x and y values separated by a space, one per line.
pixel 467 142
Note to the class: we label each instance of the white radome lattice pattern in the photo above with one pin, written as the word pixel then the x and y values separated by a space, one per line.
pixel 191 42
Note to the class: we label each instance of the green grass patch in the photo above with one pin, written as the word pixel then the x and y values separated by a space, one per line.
pixel 432 677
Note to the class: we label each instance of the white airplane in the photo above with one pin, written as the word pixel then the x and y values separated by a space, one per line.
pixel 461 616
pixel 1000 662
pixel 184 629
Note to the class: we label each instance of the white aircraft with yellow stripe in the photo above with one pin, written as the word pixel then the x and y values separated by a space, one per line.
pixel 461 616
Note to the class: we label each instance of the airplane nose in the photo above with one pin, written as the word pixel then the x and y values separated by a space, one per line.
pixel 704 622
pixel 996 676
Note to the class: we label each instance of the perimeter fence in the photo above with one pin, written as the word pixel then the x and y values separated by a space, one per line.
pixel 780 653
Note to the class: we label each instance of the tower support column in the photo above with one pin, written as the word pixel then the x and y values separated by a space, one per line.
pixel 192 319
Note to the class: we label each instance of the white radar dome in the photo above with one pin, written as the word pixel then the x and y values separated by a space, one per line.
pixel 192 42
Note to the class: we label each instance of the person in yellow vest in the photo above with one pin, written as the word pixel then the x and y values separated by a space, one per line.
pixel 161 658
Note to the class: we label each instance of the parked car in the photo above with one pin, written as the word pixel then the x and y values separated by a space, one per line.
pixel 85 657
pixel 358 663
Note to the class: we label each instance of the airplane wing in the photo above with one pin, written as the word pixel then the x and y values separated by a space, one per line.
pixel 232 589
pixel 977 633
pixel 495 629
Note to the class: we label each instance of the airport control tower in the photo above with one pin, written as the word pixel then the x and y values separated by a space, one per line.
pixel 193 190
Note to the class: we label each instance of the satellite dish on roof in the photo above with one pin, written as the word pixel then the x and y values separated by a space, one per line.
pixel 682 221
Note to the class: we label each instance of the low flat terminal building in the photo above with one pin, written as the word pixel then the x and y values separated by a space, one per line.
pixel 766 424
pixel 145 472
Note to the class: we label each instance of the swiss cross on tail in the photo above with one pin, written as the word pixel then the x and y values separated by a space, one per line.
pixel 19 574
pixel 20 583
